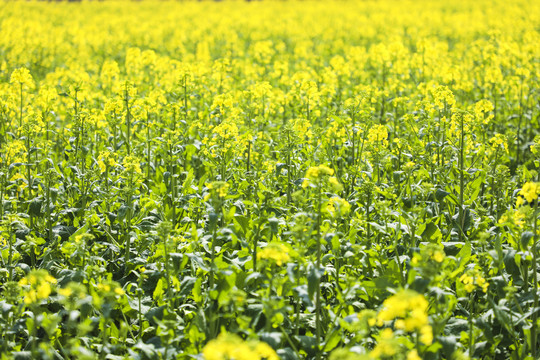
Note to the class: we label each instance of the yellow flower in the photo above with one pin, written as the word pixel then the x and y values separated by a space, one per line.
pixel 279 253
pixel 378 135
pixel 220 188
pixel 113 107
pixel 132 164
pixel 387 345
pixel 335 183
pixel 499 141
pixel 102 166
pixel 318 171
pixel 14 151
pixel 43 290
pixel 409 310
pixel 66 292
pixel 409 165
pixel 535 147
pixel 22 76
pixel 426 335
pixel 30 297
pixel 413 355
pixel 514 217
pixel 315 174
pixel 230 346
pixel 119 291
pixel 438 256
pixel 108 291
pixel 472 280
pixel 264 351
pixel 338 206
pixel 482 110
pixel 530 191
pixel 442 96
pixel 38 284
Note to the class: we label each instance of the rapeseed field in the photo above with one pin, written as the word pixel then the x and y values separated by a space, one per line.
pixel 270 180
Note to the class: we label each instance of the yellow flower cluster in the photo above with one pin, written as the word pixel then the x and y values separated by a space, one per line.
pixel 410 312
pixel 230 346
pixel 220 188
pixel 73 290
pixel 336 131
pixel 338 207
pixel 132 164
pixel 110 288
pixel 378 136
pixel 438 256
pixel 315 174
pixel 14 152
pixel 473 279
pixel 105 291
pixel 38 286
pixel 302 127
pixel 529 192
pixel 483 109
pixel 499 141
pixel 443 97
pixel 387 345
pixel 278 253
pixel 107 160
pixel 226 140
pixel 22 77
pixel 513 217
pixel 535 147
pixel 409 165
pixel 113 107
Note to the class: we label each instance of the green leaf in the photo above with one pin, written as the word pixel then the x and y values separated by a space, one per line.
pixel 314 277
pixel 35 207
pixel 475 186
pixel 463 257
pixel 430 230
pixel 526 239
pixel 332 340
pixel 440 194
pixel 155 314
pixel 158 291
pixel 272 338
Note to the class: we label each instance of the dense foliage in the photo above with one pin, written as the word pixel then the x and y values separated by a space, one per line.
pixel 343 180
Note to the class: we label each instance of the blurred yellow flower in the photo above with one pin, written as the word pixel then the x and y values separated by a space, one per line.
pixel 278 253
pixel 230 346
pixel 530 191
pixel 22 77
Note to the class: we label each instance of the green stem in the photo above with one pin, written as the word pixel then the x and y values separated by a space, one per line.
pixel 21 111
pixel 148 146
pixel 128 120
pixel 535 285
pixel 167 272
pixel 49 217
pixel 139 295
pixel 471 314
pixel 128 220
pixel 29 178
pixel 289 198
pixel 461 179
pixel 185 98
pixel 212 257
pixel 318 294
pixel 10 257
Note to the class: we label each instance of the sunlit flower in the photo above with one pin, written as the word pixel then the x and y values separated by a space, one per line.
pixel 279 253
